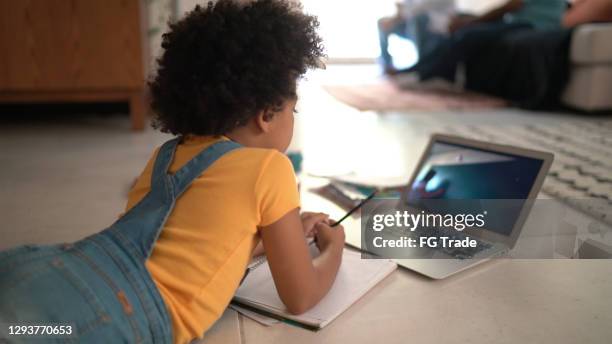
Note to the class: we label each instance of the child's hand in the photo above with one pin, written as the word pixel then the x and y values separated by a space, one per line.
pixel 309 221
pixel 329 236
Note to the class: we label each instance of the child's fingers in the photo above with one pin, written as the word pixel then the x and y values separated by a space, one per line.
pixel 319 217
pixel 309 222
pixel 330 221
pixel 312 233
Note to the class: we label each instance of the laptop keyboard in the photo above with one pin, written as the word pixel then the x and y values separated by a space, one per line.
pixel 582 168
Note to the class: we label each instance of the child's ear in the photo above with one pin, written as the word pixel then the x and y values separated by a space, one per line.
pixel 264 120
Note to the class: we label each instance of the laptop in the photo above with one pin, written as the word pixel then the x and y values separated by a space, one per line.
pixel 457 169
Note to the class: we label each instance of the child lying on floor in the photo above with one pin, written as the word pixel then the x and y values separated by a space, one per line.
pixel 167 269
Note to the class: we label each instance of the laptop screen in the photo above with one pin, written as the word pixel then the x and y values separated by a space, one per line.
pixel 462 179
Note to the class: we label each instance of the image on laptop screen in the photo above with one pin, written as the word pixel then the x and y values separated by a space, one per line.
pixel 469 178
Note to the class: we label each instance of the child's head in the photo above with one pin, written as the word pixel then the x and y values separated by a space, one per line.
pixel 232 67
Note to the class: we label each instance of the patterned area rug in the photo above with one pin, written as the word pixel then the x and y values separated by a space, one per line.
pixel 581 173
pixel 385 95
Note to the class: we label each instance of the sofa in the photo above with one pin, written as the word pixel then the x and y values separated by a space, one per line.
pixel 589 87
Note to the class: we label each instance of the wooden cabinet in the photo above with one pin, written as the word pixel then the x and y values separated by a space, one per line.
pixel 73 50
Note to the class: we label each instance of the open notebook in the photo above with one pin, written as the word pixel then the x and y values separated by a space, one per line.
pixel 355 277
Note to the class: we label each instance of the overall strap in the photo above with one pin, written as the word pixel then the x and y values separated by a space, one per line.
pixel 194 168
pixel 163 161
pixel 139 228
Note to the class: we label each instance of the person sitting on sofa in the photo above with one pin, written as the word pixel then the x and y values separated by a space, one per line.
pixel 531 68
pixel 471 33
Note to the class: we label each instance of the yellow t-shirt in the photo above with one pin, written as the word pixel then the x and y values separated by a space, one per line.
pixel 202 253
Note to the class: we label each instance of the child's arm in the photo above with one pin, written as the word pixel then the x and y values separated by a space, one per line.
pixel 301 282
pixel 309 220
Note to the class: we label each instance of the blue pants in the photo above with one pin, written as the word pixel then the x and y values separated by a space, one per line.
pixel 99 286
pixel 92 286
pixel 415 29
pixel 443 60
pixel 383 40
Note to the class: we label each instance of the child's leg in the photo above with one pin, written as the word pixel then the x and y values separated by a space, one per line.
pixel 49 286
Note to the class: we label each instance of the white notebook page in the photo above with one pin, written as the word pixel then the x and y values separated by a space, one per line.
pixel 355 277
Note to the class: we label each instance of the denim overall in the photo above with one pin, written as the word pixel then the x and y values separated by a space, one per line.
pixel 100 285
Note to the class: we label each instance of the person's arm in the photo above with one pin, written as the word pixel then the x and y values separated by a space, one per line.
pixel 309 220
pixel 497 13
pixel 588 11
pixel 301 281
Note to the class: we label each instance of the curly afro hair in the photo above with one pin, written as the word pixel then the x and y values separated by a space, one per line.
pixel 223 64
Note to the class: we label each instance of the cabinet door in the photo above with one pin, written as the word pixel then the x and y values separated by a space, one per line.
pixel 63 45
